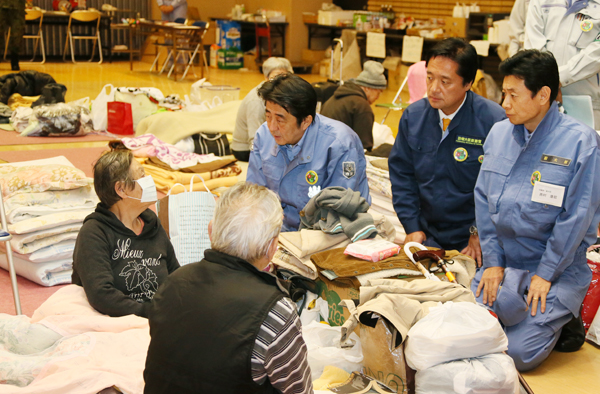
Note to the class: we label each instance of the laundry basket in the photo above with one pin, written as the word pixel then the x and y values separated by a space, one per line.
pixel 224 92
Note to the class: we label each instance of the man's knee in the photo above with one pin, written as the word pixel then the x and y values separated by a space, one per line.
pixel 529 346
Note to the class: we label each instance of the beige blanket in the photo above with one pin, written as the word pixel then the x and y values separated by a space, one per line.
pixel 171 127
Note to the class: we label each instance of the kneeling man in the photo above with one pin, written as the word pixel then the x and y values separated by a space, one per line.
pixel 297 153
pixel 536 202
pixel 223 325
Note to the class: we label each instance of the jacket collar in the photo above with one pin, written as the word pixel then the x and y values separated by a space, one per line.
pixel 545 127
pixel 307 143
pixel 237 264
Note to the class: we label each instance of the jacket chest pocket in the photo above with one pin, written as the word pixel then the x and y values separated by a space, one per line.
pixel 495 171
pixel 273 173
pixel 465 167
pixel 423 155
pixel 544 215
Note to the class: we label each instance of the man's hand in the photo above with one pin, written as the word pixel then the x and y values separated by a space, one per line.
pixel 538 290
pixel 417 236
pixel 166 9
pixel 473 249
pixel 490 280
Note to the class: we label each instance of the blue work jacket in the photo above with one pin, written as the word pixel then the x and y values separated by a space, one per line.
pixel 517 232
pixel 330 154
pixel 433 179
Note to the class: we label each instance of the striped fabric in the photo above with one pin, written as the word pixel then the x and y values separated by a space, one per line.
pixel 280 352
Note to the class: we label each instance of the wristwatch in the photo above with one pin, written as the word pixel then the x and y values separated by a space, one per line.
pixel 473 230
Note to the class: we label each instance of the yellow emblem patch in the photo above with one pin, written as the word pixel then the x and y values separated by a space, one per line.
pixel 536 177
pixel 460 154
pixel 311 177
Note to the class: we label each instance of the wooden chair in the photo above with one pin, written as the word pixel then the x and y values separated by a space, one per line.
pixel 262 32
pixel 6 237
pixel 83 16
pixel 190 43
pixel 32 15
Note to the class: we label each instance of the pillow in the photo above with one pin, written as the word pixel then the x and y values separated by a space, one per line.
pixel 26 179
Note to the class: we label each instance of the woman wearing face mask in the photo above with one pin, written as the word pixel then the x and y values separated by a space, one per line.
pixel 122 253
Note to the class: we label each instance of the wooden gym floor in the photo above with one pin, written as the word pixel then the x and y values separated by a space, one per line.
pixel 574 373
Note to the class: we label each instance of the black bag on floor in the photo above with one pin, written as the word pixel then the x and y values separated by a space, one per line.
pixel 211 143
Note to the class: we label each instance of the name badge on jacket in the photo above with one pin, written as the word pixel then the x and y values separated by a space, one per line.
pixel 546 193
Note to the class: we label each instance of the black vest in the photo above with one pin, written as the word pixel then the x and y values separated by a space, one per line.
pixel 204 320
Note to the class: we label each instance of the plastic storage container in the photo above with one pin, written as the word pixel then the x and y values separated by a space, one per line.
pixel 224 92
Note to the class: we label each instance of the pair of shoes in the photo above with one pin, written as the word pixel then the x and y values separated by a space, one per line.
pixel 14 62
pixel 572 336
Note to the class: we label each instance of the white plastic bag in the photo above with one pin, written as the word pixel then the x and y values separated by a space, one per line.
pixel 195 92
pixel 493 373
pixel 593 333
pixel 453 331
pixel 99 110
pixel 323 344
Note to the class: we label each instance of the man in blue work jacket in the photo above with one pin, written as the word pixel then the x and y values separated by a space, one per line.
pixel 537 201
pixel 297 153
pixel 438 151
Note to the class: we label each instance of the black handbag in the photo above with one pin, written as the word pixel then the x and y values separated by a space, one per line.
pixel 211 143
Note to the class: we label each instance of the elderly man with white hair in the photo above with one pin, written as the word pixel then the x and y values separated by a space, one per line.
pixel 225 324
pixel 251 114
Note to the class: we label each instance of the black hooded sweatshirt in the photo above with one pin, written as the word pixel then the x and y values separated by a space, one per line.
pixel 119 270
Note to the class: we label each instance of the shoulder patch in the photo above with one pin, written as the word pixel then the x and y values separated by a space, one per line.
pixel 349 169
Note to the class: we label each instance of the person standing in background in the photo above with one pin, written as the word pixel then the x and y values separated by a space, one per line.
pixel 172 9
pixel 12 15
pixel 518 15
pixel 571 31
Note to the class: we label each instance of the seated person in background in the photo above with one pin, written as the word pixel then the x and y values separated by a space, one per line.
pixel 298 153
pixel 224 324
pixel 537 201
pixel 351 102
pixel 251 114
pixel 122 253
pixel 435 160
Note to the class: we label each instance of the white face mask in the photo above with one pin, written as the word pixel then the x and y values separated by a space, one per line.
pixel 148 189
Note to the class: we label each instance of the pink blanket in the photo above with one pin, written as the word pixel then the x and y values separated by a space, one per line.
pixel 95 352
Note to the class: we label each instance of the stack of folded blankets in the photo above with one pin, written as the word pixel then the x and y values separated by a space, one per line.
pixel 380 188
pixel 170 166
pixel 45 203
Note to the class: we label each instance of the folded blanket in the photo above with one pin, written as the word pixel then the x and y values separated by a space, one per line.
pixel 152 146
pixel 51 273
pixel 295 247
pixel 165 179
pixel 49 221
pixel 30 205
pixel 172 127
pixel 29 243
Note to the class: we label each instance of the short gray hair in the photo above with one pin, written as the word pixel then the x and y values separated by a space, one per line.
pixel 276 63
pixel 247 218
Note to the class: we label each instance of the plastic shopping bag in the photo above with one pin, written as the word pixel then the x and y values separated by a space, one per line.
pixel 591 302
pixel 493 373
pixel 119 118
pixel 323 344
pixel 453 331
pixel 99 110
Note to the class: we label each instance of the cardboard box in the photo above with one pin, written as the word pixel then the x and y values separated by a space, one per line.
pixel 334 18
pixel 384 362
pixel 456 27
pixel 312 56
pixel 230 59
pixel 396 77
pixel 333 292
pixel 229 34
pixel 250 62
